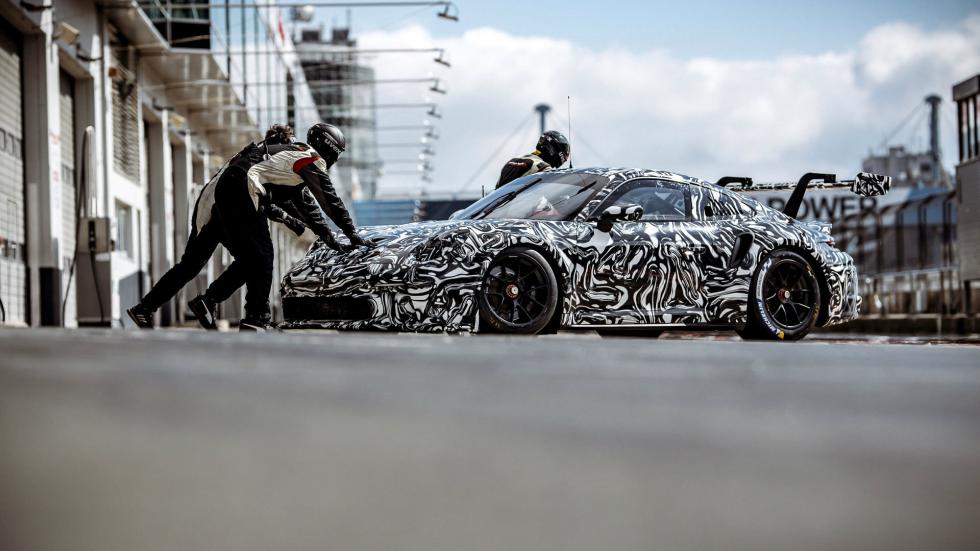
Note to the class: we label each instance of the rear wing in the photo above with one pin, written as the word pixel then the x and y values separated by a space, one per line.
pixel 864 184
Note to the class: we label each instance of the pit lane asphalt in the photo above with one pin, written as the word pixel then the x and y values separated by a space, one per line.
pixel 192 440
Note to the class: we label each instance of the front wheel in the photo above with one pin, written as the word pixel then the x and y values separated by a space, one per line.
pixel 784 302
pixel 519 293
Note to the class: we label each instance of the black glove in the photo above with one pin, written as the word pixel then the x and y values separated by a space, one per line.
pixel 356 241
pixel 276 214
pixel 294 224
pixel 331 242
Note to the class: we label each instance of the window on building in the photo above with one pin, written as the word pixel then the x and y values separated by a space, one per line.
pixel 961 128
pixel 124 229
pixel 968 138
pixel 975 149
pixel 125 120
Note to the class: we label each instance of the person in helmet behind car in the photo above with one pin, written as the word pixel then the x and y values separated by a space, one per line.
pixel 551 152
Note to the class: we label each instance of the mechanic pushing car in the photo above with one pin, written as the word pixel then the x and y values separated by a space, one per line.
pixel 294 206
pixel 233 209
pixel 551 152
pixel 201 244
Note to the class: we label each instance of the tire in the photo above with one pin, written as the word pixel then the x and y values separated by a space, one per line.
pixel 519 293
pixel 784 301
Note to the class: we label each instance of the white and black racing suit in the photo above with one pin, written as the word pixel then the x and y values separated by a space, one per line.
pixel 531 163
pixel 232 210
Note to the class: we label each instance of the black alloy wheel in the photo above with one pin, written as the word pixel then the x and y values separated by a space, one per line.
pixel 519 293
pixel 785 299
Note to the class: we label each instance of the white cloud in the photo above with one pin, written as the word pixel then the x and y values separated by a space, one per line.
pixel 770 118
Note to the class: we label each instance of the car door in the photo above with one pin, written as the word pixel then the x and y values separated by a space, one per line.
pixel 640 274
pixel 718 240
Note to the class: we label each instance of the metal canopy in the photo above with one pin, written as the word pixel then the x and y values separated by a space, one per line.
pixel 212 103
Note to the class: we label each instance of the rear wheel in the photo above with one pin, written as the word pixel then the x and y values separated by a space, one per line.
pixel 784 302
pixel 519 293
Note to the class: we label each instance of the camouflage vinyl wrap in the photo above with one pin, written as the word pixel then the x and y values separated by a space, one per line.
pixel 697 271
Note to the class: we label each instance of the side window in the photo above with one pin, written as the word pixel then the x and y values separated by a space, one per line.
pixel 745 207
pixel 660 200
pixel 714 204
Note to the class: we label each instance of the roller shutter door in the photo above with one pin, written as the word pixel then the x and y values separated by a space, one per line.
pixel 13 235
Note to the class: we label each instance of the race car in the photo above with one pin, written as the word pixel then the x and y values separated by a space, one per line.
pixel 607 249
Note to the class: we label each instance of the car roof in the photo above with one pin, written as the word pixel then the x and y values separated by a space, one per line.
pixel 616 175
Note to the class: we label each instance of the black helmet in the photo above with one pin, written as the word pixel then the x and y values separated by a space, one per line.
pixel 554 148
pixel 327 140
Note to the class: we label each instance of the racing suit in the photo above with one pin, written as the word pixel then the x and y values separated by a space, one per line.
pixel 531 163
pixel 232 210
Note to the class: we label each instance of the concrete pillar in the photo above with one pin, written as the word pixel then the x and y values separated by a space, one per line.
pixel 183 173
pixel 159 157
pixel 42 168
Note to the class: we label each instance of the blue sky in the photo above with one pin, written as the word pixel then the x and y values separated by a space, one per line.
pixel 692 28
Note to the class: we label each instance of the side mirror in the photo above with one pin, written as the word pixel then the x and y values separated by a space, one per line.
pixel 613 214
pixel 871 185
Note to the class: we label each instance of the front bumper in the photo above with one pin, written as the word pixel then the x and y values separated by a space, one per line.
pixel 375 290
pixel 385 309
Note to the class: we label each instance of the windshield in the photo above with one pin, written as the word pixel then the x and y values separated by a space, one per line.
pixel 540 196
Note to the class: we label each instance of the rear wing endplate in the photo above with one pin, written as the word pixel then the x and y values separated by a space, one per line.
pixel 864 184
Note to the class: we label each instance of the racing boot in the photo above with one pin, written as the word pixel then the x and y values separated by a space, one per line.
pixel 141 316
pixel 259 324
pixel 205 310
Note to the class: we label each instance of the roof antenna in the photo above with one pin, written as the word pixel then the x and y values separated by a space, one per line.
pixel 569 108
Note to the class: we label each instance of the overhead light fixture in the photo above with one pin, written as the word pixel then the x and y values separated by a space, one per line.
pixel 66 33
pixel 34 7
pixel 80 54
pixel 158 107
pixel 434 113
pixel 435 88
pixel 441 59
pixel 449 12
pixel 304 13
